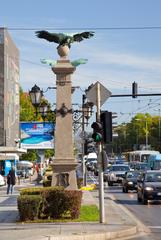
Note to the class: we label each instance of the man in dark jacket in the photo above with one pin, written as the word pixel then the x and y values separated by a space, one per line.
pixel 11 181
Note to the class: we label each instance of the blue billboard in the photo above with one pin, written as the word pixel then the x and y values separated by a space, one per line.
pixel 37 135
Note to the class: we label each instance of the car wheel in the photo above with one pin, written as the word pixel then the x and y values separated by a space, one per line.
pixel 138 198
pixel 145 201
pixel 110 183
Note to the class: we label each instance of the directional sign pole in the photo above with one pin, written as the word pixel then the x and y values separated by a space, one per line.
pixel 101 184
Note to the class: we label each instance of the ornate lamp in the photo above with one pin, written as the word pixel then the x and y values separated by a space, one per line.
pixel 87 109
pixel 35 95
pixel 43 108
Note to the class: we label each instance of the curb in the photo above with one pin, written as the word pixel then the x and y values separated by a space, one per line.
pixel 101 236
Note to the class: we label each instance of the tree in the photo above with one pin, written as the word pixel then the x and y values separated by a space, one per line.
pixel 27 111
pixel 31 155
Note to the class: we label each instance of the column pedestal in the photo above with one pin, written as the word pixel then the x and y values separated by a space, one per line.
pixel 64 165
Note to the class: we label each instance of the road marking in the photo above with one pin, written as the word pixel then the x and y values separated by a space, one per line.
pixel 157 227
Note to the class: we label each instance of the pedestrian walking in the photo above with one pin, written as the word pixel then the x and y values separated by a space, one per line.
pixel 11 181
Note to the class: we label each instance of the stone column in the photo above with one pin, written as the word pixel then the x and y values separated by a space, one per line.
pixel 64 164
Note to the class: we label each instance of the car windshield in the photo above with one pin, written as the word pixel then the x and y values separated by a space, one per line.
pixel 120 168
pixel 143 166
pixel 132 174
pixel 153 177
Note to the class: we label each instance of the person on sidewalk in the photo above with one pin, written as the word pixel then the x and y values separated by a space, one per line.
pixel 11 181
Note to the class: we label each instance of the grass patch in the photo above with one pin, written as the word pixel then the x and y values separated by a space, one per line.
pixel 88 213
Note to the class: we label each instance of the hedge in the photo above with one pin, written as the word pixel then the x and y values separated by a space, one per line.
pixel 49 202
pixel 29 206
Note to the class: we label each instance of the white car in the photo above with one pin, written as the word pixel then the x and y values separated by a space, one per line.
pixel 2 181
pixel 116 173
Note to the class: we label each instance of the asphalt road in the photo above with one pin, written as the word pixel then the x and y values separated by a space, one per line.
pixel 149 215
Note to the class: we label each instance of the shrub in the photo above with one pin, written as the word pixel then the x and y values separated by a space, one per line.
pixel 58 203
pixel 29 207
pixel 73 199
pixel 52 202
pixel 37 190
pixel 46 183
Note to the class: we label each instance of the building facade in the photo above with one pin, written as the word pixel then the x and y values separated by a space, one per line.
pixel 9 90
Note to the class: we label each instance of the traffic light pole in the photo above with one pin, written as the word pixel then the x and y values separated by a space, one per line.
pixel 83 142
pixel 101 183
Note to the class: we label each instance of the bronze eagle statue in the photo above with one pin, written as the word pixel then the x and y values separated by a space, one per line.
pixel 64 38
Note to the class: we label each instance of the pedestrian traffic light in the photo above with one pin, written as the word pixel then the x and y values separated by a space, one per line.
pixel 97 131
pixel 106 120
pixel 134 89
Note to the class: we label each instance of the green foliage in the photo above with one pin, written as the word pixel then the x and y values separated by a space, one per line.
pixel 46 183
pixel 31 155
pixel 55 202
pixel 29 206
pixel 49 153
pixel 38 190
pixel 27 111
pixel 89 213
pixel 133 135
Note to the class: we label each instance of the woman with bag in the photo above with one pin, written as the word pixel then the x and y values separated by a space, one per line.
pixel 11 181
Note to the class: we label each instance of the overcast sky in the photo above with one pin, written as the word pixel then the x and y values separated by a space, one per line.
pixel 116 56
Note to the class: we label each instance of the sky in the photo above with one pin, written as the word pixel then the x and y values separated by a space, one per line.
pixel 126 47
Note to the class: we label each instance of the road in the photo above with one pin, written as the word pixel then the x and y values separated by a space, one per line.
pixel 149 215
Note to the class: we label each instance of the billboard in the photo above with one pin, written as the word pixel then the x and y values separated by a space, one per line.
pixel 37 135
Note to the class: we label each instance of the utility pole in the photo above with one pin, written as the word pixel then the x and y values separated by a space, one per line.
pixel 101 183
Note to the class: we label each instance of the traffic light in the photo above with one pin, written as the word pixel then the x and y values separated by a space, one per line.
pixel 97 131
pixel 134 89
pixel 89 146
pixel 106 120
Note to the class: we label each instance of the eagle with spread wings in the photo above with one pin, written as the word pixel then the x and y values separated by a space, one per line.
pixel 64 38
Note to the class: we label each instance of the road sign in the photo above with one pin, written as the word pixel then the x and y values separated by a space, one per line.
pixel 92 94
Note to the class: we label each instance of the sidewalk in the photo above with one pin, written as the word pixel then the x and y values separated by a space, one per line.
pixel 119 222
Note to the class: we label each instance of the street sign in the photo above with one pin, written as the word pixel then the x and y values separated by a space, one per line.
pixel 92 94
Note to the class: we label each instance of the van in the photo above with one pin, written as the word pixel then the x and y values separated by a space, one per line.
pixel 91 159
pixel 154 161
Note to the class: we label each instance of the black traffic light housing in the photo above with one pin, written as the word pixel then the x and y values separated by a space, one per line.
pixel 106 120
pixel 134 89
pixel 89 146
pixel 97 132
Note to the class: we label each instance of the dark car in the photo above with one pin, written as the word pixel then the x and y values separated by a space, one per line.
pixel 129 182
pixel 139 166
pixel 149 186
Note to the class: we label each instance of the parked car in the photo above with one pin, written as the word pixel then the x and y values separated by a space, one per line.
pixel 116 173
pixel 149 186
pixel 2 180
pixel 129 182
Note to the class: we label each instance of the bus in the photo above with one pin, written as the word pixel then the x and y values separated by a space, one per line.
pixel 140 155
pixel 154 161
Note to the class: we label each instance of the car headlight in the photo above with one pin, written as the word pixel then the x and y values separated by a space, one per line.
pixel 112 175
pixel 130 183
pixel 149 189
